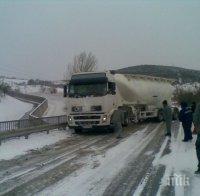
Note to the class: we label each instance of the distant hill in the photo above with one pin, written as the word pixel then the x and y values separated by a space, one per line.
pixel 186 75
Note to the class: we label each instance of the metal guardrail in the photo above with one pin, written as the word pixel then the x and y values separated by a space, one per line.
pixel 32 122
pixel 39 110
pixel 35 122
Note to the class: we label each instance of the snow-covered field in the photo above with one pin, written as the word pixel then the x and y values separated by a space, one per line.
pixel 13 109
pixel 23 87
pixel 29 89
pixel 56 102
pixel 13 81
pixel 9 149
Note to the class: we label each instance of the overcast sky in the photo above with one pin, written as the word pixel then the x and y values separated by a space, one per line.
pixel 38 38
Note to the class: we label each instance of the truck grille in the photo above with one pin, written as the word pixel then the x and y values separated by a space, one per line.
pixel 86 117
pixel 87 123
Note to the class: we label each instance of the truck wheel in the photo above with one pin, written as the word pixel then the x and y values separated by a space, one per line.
pixel 77 131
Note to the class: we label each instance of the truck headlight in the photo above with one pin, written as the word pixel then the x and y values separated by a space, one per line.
pixel 69 119
pixel 104 118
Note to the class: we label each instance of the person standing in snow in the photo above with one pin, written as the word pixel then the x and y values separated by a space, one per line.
pixel 116 120
pixel 196 120
pixel 193 108
pixel 167 114
pixel 185 117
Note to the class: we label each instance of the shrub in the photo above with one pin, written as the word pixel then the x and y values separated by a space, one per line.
pixel 187 96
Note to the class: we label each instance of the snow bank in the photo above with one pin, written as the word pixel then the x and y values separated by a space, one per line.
pixel 100 170
pixel 20 146
pixel 180 164
pixel 13 109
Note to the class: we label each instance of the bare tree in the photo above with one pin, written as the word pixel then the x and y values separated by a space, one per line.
pixel 82 63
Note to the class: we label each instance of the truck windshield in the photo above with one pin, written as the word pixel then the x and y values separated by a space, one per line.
pixel 81 90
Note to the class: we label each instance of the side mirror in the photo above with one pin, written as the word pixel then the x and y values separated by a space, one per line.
pixel 112 88
pixel 65 90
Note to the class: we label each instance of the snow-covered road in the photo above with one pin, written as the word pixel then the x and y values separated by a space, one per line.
pixel 56 103
pixel 94 158
pixel 97 163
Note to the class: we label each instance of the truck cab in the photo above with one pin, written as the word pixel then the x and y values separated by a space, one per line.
pixel 91 100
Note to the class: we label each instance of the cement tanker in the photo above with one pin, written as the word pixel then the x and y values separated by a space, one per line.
pixel 92 98
pixel 144 90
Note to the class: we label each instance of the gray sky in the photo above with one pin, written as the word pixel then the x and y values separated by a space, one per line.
pixel 38 38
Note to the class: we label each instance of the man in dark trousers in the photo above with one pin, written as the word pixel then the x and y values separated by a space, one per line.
pixel 193 108
pixel 116 120
pixel 196 120
pixel 167 114
pixel 185 117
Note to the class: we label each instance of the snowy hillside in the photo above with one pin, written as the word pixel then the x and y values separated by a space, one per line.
pixel 189 87
pixel 13 109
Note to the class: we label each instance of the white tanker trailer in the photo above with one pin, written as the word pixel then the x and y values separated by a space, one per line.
pixel 92 98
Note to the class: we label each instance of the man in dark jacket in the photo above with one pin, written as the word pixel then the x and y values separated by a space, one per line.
pixel 185 117
pixel 167 114
pixel 196 121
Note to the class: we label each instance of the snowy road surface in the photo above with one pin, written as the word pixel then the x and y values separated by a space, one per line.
pixel 56 104
pixel 13 109
pixel 97 163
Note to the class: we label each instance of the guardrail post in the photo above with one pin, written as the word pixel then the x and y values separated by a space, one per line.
pixel 47 131
pixel 26 137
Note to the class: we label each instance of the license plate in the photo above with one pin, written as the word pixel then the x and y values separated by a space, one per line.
pixel 87 126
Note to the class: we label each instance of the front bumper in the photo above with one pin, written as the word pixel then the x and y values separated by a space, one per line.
pixel 89 121
pixel 93 127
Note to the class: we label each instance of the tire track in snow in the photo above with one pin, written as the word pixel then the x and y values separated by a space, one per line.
pixel 24 178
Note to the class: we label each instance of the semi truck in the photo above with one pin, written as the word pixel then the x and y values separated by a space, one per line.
pixel 93 97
